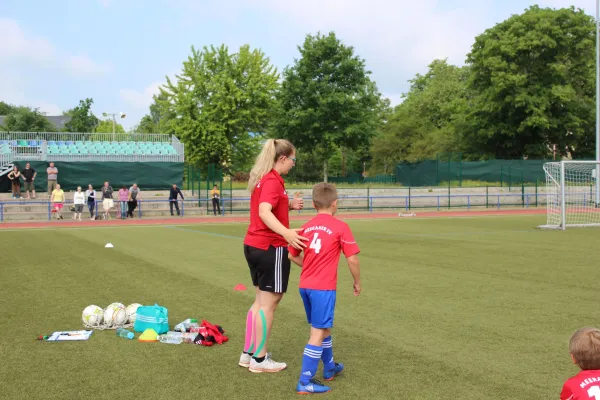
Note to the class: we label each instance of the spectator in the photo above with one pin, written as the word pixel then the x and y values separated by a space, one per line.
pixel 78 202
pixel 174 193
pixel 29 175
pixel 134 197
pixel 57 198
pixel 216 199
pixel 15 177
pixel 52 172
pixel 107 199
pixel 90 194
pixel 123 198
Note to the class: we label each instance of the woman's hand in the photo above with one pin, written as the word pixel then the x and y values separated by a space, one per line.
pixel 297 203
pixel 294 239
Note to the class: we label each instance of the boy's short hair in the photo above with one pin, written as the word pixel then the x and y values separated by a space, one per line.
pixel 584 346
pixel 323 195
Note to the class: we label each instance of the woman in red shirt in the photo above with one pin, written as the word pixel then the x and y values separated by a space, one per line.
pixel 265 248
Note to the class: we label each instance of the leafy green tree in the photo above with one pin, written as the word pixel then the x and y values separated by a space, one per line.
pixel 160 119
pixel 25 119
pixel 534 79
pixel 146 125
pixel 217 99
pixel 327 100
pixel 82 118
pixel 6 108
pixel 106 126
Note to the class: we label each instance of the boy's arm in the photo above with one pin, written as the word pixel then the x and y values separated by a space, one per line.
pixel 296 259
pixel 354 266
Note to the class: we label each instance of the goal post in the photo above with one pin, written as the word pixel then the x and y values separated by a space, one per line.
pixel 572 198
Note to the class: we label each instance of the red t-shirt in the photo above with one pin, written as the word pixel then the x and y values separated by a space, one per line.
pixel 583 386
pixel 270 189
pixel 327 238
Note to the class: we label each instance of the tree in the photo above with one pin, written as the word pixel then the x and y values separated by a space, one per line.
pixel 430 120
pixel 160 118
pixel 25 119
pixel 534 79
pixel 217 99
pixel 6 108
pixel 146 125
pixel 327 100
pixel 106 126
pixel 82 118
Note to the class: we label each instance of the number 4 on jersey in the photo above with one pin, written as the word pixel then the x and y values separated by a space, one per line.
pixel 594 392
pixel 316 244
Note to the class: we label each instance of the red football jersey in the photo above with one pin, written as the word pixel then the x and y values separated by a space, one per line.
pixel 583 386
pixel 270 189
pixel 327 238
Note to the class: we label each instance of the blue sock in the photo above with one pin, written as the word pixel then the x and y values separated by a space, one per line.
pixel 327 356
pixel 310 363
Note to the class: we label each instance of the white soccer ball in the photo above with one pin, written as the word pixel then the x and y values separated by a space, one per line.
pixel 131 312
pixel 92 316
pixel 115 315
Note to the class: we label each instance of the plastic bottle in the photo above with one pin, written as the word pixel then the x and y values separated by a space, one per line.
pixel 124 333
pixel 186 325
pixel 186 337
pixel 170 339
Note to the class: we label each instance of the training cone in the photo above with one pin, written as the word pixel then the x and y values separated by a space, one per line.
pixel 109 246
pixel 148 336
pixel 239 287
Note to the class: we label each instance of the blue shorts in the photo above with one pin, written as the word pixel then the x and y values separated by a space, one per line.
pixel 319 306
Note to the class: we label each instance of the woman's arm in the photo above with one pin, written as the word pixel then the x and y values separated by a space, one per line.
pixel 265 212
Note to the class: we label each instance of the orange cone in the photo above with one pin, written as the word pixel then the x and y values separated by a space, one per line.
pixel 239 287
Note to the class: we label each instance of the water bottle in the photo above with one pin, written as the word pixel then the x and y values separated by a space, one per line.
pixel 124 333
pixel 186 325
pixel 170 339
pixel 189 337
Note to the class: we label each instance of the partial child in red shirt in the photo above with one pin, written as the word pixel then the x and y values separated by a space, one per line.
pixel 328 237
pixel 584 347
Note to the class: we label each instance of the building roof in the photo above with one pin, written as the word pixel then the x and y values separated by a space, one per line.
pixel 58 121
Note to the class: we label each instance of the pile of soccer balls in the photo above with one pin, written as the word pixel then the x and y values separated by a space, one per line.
pixel 116 315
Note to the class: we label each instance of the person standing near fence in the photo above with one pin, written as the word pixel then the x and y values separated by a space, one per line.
pixel 173 194
pixel 90 194
pixel 107 199
pixel 78 202
pixel 266 249
pixel 123 198
pixel 29 175
pixel 52 172
pixel 15 178
pixel 134 196
pixel 57 198
pixel 216 199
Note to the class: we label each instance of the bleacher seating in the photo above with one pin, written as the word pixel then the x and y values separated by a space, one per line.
pixel 94 148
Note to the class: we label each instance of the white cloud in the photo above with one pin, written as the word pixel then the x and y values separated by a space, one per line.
pixel 140 99
pixel 18 46
pixel 83 66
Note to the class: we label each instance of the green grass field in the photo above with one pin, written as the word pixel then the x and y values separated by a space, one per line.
pixel 463 308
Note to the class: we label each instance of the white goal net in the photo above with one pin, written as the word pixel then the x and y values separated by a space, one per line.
pixel 572 194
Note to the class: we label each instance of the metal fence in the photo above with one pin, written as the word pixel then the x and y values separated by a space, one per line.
pixel 83 137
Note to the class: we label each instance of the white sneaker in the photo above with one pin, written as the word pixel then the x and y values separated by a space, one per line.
pixel 268 365
pixel 245 360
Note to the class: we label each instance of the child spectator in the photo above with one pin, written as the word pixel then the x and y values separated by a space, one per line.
pixel 78 202
pixel 57 198
pixel 90 194
pixel 584 347
pixel 328 237
pixel 123 197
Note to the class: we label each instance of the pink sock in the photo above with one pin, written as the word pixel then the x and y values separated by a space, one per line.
pixel 248 345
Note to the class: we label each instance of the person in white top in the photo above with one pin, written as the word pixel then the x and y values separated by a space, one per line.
pixel 79 202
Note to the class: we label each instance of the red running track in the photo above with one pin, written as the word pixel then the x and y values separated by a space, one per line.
pixel 244 219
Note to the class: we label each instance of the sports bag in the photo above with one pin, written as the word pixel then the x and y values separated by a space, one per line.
pixel 155 317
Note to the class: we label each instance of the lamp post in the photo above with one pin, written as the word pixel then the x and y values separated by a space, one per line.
pixel 122 115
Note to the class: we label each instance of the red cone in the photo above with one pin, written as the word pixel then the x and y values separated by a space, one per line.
pixel 239 287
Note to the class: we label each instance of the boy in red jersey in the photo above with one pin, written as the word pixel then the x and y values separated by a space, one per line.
pixel 328 237
pixel 584 347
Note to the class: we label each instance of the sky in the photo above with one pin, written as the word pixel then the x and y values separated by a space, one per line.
pixel 118 52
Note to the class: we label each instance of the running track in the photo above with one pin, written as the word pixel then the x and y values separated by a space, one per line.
pixel 243 219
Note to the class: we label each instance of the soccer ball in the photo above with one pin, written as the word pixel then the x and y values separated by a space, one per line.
pixel 115 315
pixel 131 312
pixel 92 316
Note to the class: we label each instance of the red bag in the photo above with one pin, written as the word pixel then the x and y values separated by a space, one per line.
pixel 215 332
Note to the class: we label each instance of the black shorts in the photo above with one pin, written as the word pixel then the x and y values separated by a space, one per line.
pixel 269 269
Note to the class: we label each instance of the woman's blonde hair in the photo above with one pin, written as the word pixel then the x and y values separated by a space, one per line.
pixel 270 153
pixel 584 346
